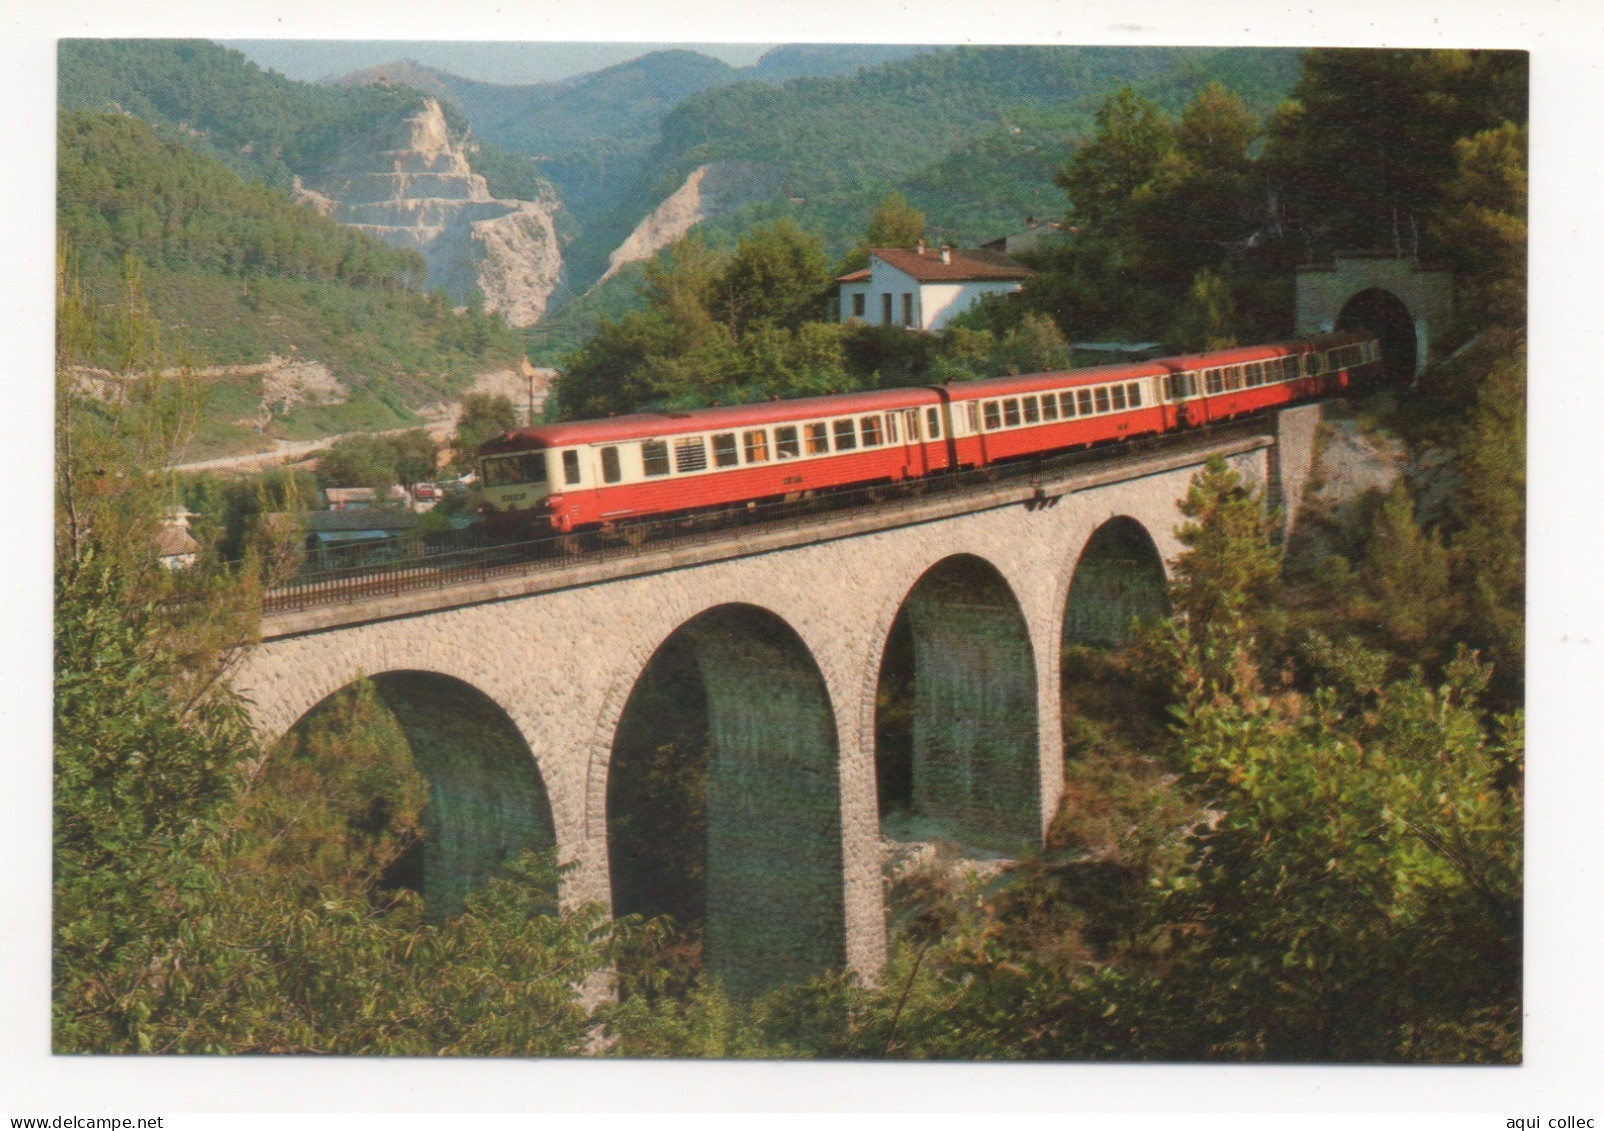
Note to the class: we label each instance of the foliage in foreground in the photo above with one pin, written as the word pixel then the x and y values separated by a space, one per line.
pixel 1325 866
pixel 210 897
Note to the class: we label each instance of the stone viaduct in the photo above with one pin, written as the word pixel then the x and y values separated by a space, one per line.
pixel 512 691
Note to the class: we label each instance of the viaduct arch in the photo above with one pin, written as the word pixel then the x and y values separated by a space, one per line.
pixel 787 631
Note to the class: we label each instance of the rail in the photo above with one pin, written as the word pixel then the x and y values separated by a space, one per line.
pixel 436 562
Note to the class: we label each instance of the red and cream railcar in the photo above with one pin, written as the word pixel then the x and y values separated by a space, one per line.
pixel 1203 388
pixel 1012 417
pixel 599 472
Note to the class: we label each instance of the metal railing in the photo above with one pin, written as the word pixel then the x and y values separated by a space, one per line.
pixel 440 561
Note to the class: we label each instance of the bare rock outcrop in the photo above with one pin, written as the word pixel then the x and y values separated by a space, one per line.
pixel 713 189
pixel 416 189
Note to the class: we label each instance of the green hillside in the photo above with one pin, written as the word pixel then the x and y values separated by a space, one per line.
pixel 971 135
pixel 235 273
pixel 217 102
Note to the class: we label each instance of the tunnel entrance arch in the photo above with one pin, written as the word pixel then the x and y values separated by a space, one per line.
pixel 486 799
pixel 748 793
pixel 1360 287
pixel 957 749
pixel 1119 581
pixel 1383 314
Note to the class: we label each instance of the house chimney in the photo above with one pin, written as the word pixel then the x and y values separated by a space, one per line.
pixel 946 253
pixel 919 246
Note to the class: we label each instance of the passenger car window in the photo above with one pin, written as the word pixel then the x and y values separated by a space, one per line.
pixel 870 426
pixel 724 450
pixel 993 415
pixel 1101 393
pixel 846 437
pixel 611 472
pixel 786 445
pixel 1011 412
pixel 570 467
pixel 690 454
pixel 654 457
pixel 818 439
pixel 757 445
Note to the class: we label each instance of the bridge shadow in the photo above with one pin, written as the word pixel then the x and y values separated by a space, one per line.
pixel 486 801
pixel 723 799
pixel 956 740
pixel 1119 582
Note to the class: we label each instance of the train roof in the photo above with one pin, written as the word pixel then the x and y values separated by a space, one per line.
pixel 1236 355
pixel 1054 379
pixel 645 425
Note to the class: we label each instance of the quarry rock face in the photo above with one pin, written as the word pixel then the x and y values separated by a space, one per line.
pixel 713 189
pixel 415 189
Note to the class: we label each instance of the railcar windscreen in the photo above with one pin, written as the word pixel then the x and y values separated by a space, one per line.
pixel 524 467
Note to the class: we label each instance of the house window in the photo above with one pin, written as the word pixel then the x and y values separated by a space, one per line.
pixel 724 450
pixel 786 444
pixel 818 439
pixel 885 309
pixel 611 472
pixel 757 446
pixel 907 308
pixel 858 304
pixel 570 468
pixel 846 438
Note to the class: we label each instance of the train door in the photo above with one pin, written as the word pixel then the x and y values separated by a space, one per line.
pixel 1178 389
pixel 903 429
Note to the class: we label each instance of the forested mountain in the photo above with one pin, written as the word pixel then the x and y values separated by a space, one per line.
pixel 969 134
pixel 217 102
pixel 237 275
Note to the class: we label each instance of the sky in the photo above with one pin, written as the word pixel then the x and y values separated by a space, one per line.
pixel 499 62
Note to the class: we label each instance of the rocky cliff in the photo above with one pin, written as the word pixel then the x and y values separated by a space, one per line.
pixel 415 189
pixel 711 190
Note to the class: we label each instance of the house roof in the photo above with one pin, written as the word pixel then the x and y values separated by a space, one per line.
pixel 968 265
pixel 172 541
pixel 861 275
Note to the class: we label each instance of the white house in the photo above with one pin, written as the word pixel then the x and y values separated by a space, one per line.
pixel 925 288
